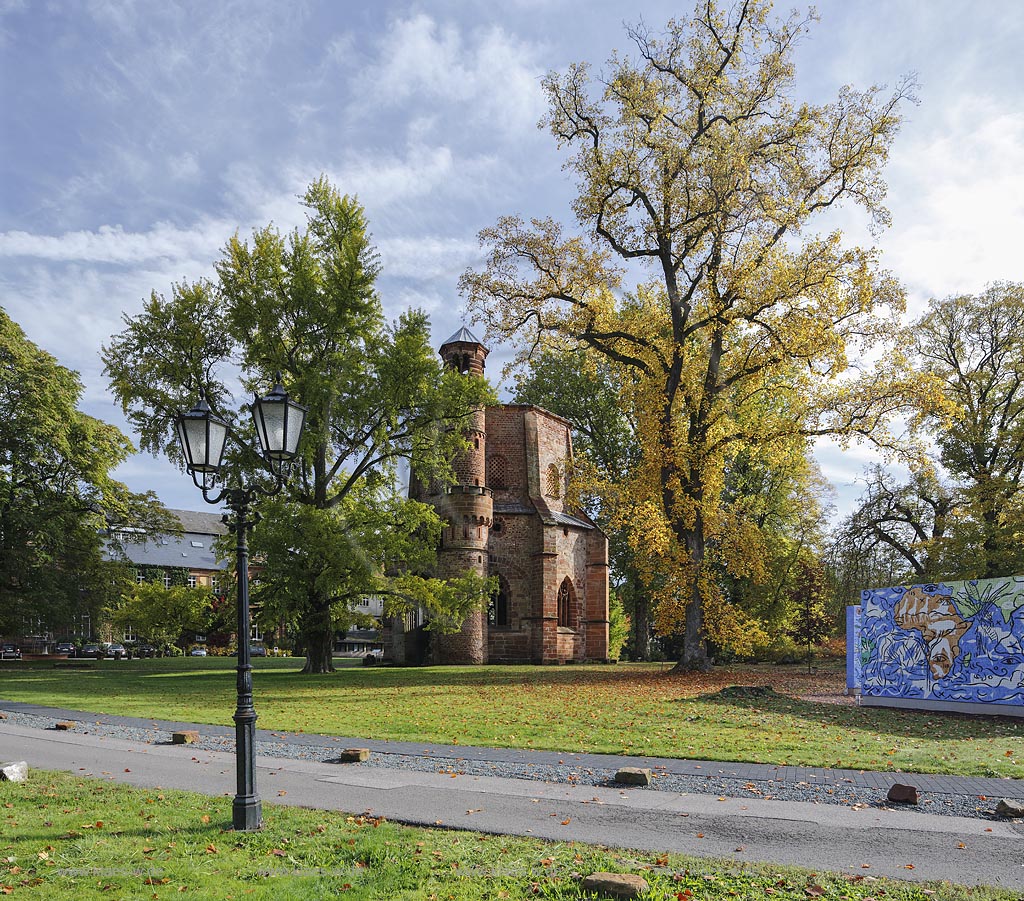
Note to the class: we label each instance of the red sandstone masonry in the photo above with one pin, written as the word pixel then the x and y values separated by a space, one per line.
pixel 534 558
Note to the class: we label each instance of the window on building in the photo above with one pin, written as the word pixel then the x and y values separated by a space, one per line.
pixel 498 605
pixel 497 472
pixel 139 577
pixel 566 604
pixel 553 484
pixel 254 633
pixel 167 579
pixel 215 584
pixel 192 581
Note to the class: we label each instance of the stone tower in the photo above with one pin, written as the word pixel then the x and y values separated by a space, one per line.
pixel 467 509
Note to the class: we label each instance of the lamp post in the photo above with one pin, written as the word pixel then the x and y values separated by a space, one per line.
pixel 279 423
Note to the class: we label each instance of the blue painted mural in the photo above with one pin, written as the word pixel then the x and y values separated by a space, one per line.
pixel 948 641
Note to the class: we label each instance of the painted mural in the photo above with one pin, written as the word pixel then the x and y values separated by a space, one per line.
pixel 949 641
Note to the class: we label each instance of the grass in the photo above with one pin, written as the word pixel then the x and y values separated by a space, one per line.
pixel 62 836
pixel 631 708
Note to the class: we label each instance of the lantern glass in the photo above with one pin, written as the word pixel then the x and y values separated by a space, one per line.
pixel 202 436
pixel 279 424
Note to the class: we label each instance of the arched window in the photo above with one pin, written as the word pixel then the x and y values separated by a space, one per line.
pixel 498 605
pixel 497 472
pixel 553 485
pixel 566 604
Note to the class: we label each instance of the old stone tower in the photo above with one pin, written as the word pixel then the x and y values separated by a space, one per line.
pixel 506 516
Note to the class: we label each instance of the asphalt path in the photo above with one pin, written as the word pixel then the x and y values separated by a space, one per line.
pixel 865 842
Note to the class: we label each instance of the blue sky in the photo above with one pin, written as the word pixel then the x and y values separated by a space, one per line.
pixel 136 137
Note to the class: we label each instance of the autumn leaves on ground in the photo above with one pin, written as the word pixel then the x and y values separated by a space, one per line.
pixel 639 709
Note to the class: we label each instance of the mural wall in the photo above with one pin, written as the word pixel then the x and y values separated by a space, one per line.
pixel 950 641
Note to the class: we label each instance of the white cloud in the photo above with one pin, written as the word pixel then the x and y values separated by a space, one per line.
pixel 492 77
pixel 426 257
pixel 112 244
pixel 957 201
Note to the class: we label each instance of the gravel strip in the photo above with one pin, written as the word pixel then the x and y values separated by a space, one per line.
pixel 852 796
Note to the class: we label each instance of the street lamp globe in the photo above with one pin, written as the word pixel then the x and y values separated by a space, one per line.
pixel 279 423
pixel 202 435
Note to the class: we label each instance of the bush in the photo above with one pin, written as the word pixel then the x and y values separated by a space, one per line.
pixel 781 649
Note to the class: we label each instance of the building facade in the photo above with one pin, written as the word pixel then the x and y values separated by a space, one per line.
pixel 507 517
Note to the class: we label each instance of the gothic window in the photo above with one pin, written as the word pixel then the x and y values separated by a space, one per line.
pixel 566 603
pixel 497 472
pixel 553 485
pixel 497 606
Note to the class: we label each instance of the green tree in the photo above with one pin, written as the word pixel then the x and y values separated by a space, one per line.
pixel 697 271
pixel 910 520
pixel 163 614
pixel 961 514
pixel 974 346
pixel 811 622
pixel 56 493
pixel 371 543
pixel 305 304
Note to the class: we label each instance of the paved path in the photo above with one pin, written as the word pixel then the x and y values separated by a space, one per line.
pixel 825 836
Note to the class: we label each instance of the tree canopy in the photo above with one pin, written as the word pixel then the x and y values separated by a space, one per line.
pixel 56 492
pixel 695 269
pixel 305 304
pixel 959 515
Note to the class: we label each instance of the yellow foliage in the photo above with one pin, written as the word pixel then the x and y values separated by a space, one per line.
pixel 699 178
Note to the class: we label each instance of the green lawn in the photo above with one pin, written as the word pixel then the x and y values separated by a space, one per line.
pixel 631 708
pixel 62 837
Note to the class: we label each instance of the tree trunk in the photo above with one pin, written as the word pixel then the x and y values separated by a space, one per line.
pixel 695 652
pixel 639 608
pixel 317 635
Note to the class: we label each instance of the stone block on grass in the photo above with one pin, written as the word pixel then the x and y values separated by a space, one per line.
pixel 633 775
pixel 185 737
pixel 615 885
pixel 352 755
pixel 15 771
pixel 903 794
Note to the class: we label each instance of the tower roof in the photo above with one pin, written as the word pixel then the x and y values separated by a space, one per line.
pixel 463 336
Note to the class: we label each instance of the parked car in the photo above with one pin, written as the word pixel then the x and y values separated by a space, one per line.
pixel 93 650
pixel 197 652
pixel 256 649
pixel 10 651
pixel 145 650
pixel 118 651
pixel 65 647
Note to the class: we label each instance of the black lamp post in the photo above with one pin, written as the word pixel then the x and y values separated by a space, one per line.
pixel 279 423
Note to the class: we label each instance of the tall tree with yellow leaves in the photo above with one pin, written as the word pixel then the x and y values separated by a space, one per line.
pixel 695 270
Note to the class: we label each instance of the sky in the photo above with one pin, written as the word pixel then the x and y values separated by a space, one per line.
pixel 137 137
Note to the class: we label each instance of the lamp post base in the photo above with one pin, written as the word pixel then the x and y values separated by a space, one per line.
pixel 247 814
